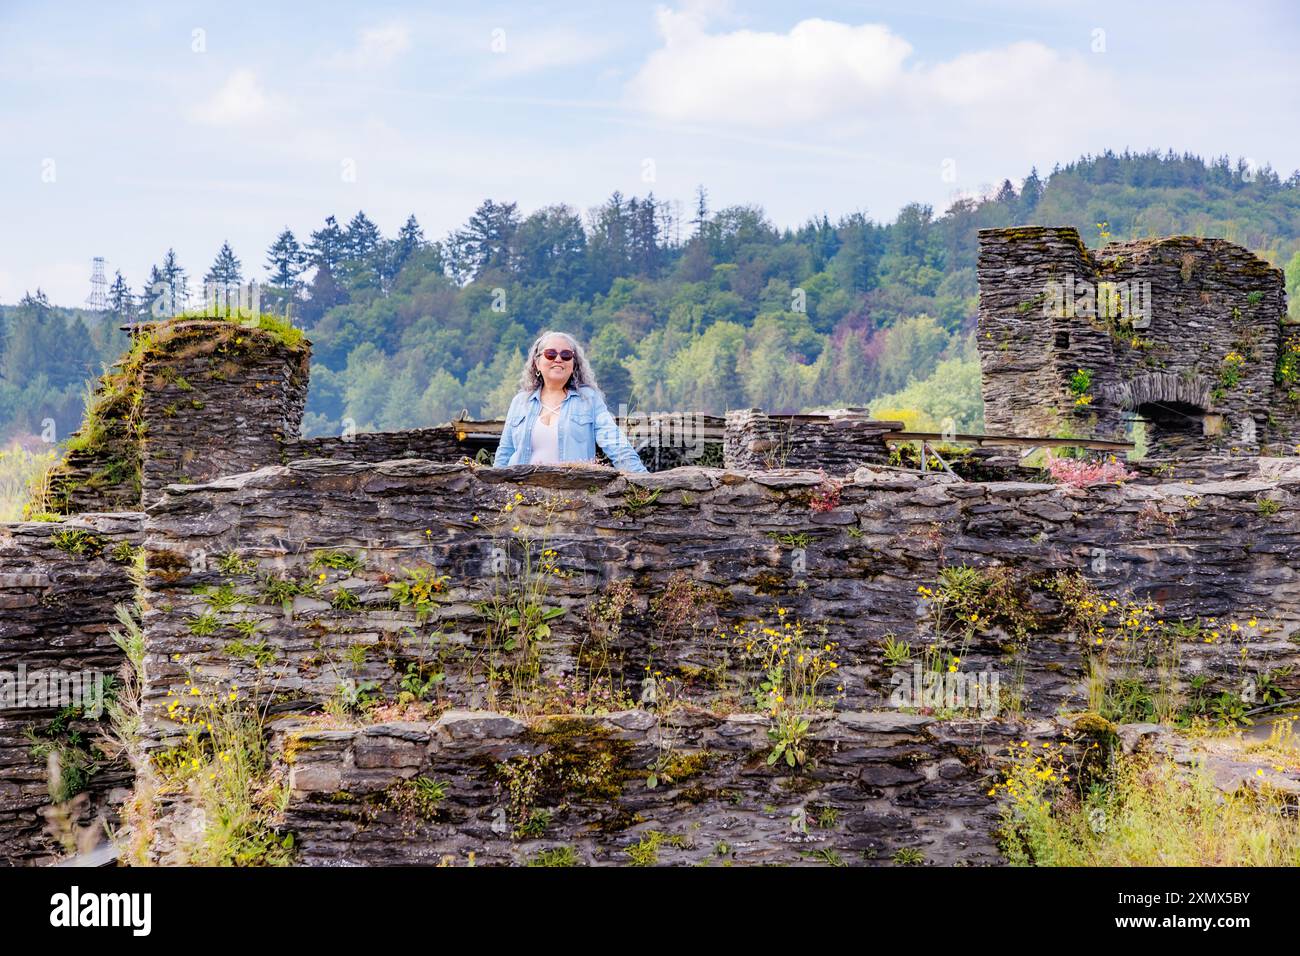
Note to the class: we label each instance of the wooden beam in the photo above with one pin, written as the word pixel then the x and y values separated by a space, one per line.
pixel 1015 441
pixel 488 430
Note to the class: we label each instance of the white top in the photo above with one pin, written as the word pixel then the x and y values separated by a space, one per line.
pixel 546 442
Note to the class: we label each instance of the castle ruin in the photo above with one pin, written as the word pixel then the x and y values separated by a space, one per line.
pixel 259 563
pixel 1188 336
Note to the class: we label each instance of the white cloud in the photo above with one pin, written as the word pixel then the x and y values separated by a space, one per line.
pixel 240 100
pixel 376 47
pixel 822 70
pixel 1021 72
pixel 765 78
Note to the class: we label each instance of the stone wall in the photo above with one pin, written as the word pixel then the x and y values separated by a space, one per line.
pixel 95 480
pixel 1184 333
pixel 884 783
pixel 701 551
pixel 666 440
pixel 663 441
pixel 431 444
pixel 59 585
pixel 836 444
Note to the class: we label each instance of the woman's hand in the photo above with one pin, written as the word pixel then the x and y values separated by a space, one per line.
pixel 612 440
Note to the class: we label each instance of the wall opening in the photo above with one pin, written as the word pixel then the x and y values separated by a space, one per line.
pixel 1172 423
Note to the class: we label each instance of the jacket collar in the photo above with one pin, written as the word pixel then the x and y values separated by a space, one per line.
pixel 537 393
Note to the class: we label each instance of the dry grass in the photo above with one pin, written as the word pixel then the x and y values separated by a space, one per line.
pixel 1149 811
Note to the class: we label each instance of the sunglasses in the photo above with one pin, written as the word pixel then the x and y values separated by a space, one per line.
pixel 563 355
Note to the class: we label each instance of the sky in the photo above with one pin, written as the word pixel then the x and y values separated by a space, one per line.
pixel 127 128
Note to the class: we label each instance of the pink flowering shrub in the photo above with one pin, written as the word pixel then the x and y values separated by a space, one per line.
pixel 826 497
pixel 1081 472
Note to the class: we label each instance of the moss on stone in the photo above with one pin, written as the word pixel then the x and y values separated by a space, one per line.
pixel 575 761
pixel 556 856
pixel 166 566
pixel 683 766
pixel 768 583
pixel 1094 725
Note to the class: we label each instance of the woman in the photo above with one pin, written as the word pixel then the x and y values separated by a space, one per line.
pixel 559 414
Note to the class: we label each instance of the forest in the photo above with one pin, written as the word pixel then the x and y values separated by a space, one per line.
pixel 680 306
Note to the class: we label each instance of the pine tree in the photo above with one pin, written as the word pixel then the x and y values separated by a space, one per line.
pixel 485 241
pixel 609 242
pixel 328 246
pixel 285 260
pixel 154 293
pixel 119 297
pixel 410 239
pixel 225 276
pixel 178 293
pixel 644 244
pixel 1030 192
pixel 701 210
pixel 362 238
pixel 669 213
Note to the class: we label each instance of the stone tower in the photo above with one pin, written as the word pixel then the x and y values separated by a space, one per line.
pixel 1187 335
pixel 193 399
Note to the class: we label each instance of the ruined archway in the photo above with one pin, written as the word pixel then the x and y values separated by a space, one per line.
pixel 1177 410
pixel 1165 388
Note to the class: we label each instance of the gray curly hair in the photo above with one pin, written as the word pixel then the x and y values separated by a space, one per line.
pixel 530 379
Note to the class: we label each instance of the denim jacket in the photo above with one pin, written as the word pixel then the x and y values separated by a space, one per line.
pixel 584 422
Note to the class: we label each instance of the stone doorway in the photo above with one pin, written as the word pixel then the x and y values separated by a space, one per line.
pixel 1175 425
